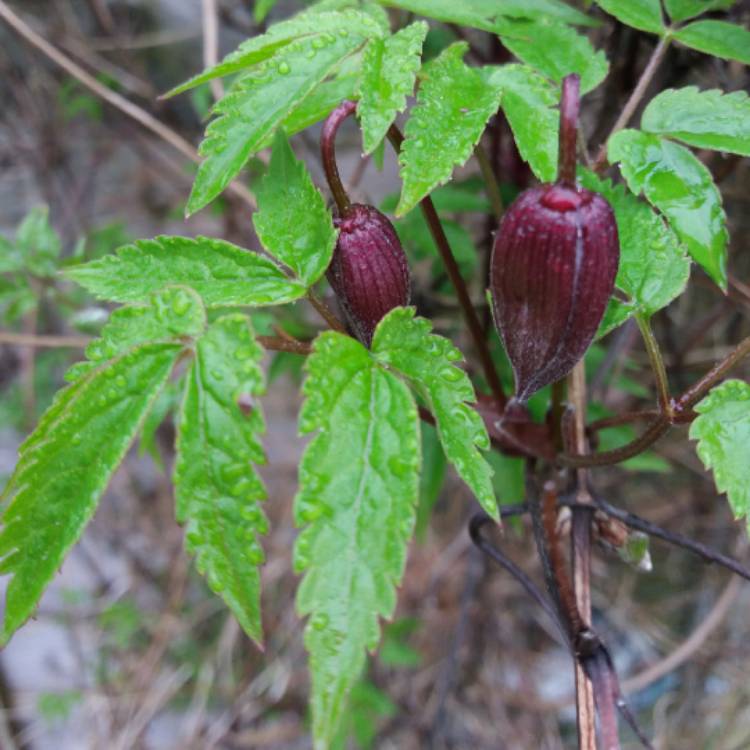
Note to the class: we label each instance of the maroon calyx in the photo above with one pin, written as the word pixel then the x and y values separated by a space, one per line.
pixel 369 271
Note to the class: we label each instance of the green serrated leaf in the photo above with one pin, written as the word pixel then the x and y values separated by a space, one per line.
pixel 640 14
pixel 681 10
pixel 529 101
pixel 722 430
pixel 480 14
pixel 681 187
pixel 554 49
pixel 218 490
pixel 65 466
pixel 454 103
pixel 170 314
pixel 654 266
pixel 260 48
pixel 389 69
pixel 320 102
pixel 293 222
pixel 258 103
pixel 704 119
pixel 359 481
pixel 719 38
pixel 406 344
pixel 222 274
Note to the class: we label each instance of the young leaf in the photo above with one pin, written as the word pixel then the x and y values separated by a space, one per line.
pixel 359 481
pixel 529 101
pixel 640 14
pixel 405 344
pixel 222 274
pixel 681 10
pixel 680 186
pixel 389 69
pixel 454 103
pixel 723 434
pixel 654 267
pixel 217 489
pixel 705 119
pixel 293 221
pixel 37 243
pixel 719 38
pixel 258 103
pixel 555 49
pixel 258 49
pixel 65 466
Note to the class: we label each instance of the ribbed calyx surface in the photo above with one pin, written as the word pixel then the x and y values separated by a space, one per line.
pixel 369 272
pixel 552 273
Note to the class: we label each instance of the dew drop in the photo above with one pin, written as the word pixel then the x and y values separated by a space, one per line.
pixel 319 621
pixel 284 68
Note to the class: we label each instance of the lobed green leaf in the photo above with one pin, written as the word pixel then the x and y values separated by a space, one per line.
pixel 640 14
pixel 704 119
pixel 359 482
pixel 681 187
pixel 65 466
pixel 293 222
pixel 37 243
pixel 217 488
pixel 722 430
pixel 168 315
pixel 554 49
pixel 654 266
pixel 257 104
pixel 681 10
pixel 389 69
pixel 406 344
pixel 222 274
pixel 718 38
pixel 454 103
pixel 261 48
pixel 529 101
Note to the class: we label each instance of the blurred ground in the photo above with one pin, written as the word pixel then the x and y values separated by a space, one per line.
pixel 131 650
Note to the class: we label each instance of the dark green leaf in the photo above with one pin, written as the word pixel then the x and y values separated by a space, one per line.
pixel 359 480
pixel 429 361
pixel 38 243
pixel 529 101
pixel 680 186
pixel 262 9
pixel 389 69
pixel 640 14
pixel 454 103
pixel 723 434
pixel 431 479
pixel 65 465
pixel 222 274
pixel 218 490
pixel 555 49
pixel 654 267
pixel 719 38
pixel 293 221
pixel 681 10
pixel 705 119
pixel 258 103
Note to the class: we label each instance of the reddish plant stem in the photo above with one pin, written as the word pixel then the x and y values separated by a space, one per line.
pixel 569 106
pixel 325 312
pixel 328 152
pixel 470 314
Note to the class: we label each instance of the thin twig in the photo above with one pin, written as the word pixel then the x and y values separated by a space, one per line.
pixel 325 312
pixel 490 181
pixel 112 97
pixel 657 364
pixel 33 340
pixel 210 19
pixel 635 99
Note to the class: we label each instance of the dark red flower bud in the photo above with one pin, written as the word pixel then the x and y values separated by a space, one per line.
pixel 553 268
pixel 369 272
